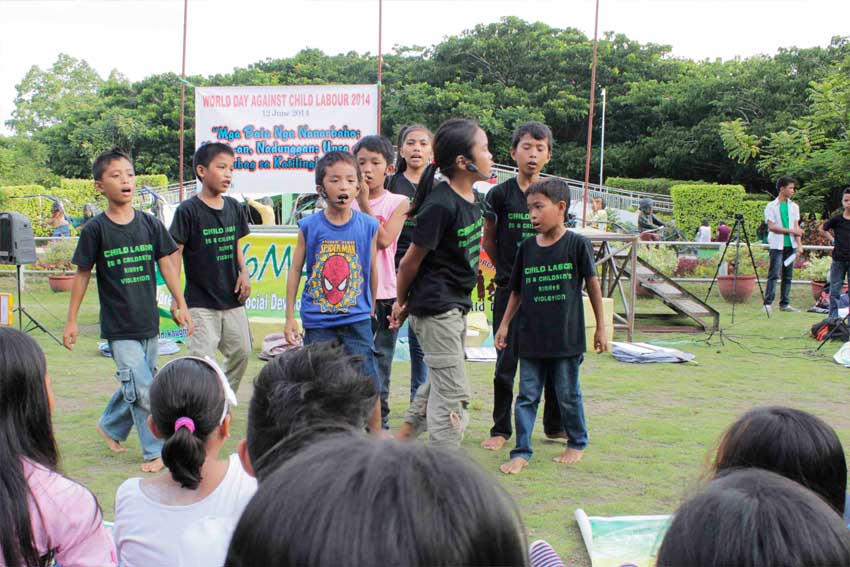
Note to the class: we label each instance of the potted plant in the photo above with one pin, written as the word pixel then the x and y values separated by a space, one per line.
pixel 817 271
pixel 738 284
pixel 57 257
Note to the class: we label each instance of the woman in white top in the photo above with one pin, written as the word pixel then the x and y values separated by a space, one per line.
pixel 160 520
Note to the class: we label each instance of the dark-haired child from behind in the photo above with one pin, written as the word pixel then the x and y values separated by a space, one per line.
pixel 546 285
pixel 374 158
pixel 126 246
pixel 207 229
pixel 339 246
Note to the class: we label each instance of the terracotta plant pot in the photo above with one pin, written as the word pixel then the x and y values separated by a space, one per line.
pixel 60 282
pixel 736 288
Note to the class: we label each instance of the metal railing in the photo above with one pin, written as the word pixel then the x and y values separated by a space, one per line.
pixel 614 197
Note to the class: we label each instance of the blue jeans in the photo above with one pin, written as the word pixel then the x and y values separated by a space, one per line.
pixel 563 373
pixel 356 339
pixel 777 269
pixel 838 274
pixel 384 338
pixel 130 404
pixel 418 368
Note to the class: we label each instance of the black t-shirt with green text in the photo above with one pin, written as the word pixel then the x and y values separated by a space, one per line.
pixel 509 209
pixel 125 256
pixel 549 280
pixel 210 238
pixel 450 227
pixel 401 185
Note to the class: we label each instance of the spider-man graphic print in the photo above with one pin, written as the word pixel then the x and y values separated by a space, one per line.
pixel 336 279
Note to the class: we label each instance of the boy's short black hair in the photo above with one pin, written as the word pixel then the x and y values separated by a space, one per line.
pixel 846 191
pixel 304 391
pixel 554 189
pixel 208 152
pixel 377 144
pixel 102 161
pixel 536 130
pixel 332 158
pixel 783 182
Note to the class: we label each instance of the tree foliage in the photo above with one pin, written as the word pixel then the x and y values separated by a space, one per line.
pixel 739 121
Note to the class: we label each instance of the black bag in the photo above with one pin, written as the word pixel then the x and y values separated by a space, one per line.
pixel 822 329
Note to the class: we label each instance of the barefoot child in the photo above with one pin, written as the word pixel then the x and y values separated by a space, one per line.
pixel 546 288
pixel 504 231
pixel 437 276
pixel 125 245
pixel 339 246
pixel 207 229
pixel 414 155
pixel 374 156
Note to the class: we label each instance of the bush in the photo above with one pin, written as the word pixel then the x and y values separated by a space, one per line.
pixel 57 255
pixel 693 203
pixel 25 199
pixel 657 185
pixel 154 181
pixel 662 258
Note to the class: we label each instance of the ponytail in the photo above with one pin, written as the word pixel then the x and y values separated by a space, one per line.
pixel 184 455
pixel 426 184
pixel 187 404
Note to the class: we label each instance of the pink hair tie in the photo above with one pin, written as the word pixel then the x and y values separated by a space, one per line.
pixel 184 422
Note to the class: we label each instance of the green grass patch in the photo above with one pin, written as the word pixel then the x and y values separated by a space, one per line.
pixel 651 427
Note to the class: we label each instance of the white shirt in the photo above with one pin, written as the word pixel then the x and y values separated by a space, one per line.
pixel 704 234
pixel 148 533
pixel 775 240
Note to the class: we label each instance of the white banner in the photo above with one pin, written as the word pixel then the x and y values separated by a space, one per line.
pixel 280 132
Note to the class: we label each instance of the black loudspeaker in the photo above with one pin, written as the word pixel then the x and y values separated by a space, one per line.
pixel 17 245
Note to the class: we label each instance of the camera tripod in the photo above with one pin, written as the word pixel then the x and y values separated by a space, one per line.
pixel 737 229
pixel 32 322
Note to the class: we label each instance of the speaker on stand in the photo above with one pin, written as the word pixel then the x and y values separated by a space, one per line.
pixel 17 248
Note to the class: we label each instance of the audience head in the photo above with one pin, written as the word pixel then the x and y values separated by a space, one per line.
pixel 306 393
pixel 789 442
pixel 190 403
pixel 359 501
pixel 26 432
pixel 754 518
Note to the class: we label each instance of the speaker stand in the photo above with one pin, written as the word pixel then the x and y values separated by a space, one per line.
pixel 32 322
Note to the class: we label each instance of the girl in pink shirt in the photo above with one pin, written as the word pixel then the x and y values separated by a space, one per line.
pixel 44 516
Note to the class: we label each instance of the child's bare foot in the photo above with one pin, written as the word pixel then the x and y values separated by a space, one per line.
pixel 569 457
pixel 557 437
pixel 153 466
pixel 494 443
pixel 514 466
pixel 405 432
pixel 113 445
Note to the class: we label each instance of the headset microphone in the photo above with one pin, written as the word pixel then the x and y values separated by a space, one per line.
pixel 471 167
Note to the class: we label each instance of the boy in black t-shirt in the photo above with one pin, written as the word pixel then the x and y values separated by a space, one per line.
pixel 546 284
pixel 840 237
pixel 207 229
pixel 506 225
pixel 126 245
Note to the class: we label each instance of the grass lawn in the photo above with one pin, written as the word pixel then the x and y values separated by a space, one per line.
pixel 652 427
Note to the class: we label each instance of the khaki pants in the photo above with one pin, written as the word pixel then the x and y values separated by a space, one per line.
pixel 441 404
pixel 226 330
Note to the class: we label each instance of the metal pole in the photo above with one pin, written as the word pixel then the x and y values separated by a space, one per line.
pixel 590 117
pixel 602 146
pixel 380 57
pixel 183 96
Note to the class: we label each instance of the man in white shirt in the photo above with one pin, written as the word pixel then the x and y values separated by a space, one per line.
pixel 785 239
